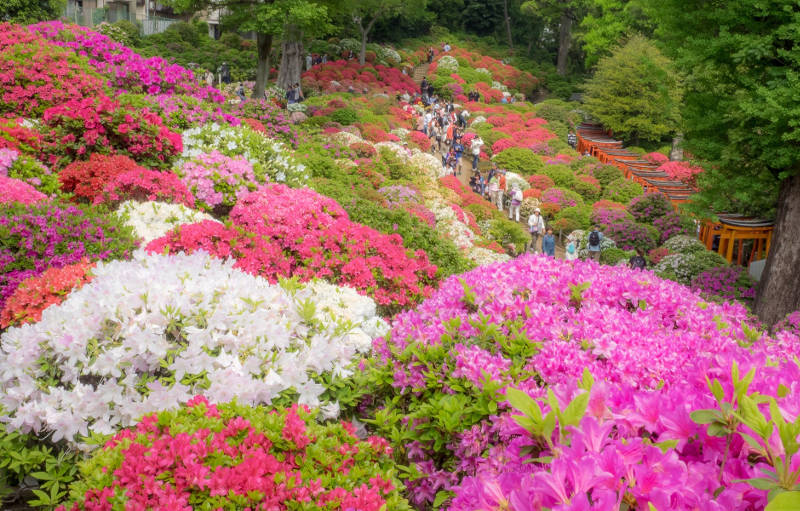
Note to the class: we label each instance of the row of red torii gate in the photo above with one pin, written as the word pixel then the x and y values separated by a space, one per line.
pixel 737 238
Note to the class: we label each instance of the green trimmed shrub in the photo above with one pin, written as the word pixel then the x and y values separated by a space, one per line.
pixel 520 160
pixel 344 116
pixel 614 255
pixel 560 174
pixel 622 191
pixel 608 174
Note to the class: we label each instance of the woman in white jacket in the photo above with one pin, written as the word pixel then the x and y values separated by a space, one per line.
pixel 536 227
pixel 516 202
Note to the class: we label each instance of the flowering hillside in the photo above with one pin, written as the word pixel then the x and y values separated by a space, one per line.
pixel 214 303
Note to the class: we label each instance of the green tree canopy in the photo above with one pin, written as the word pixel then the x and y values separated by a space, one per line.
pixel 743 115
pixel 636 92
pixel 30 11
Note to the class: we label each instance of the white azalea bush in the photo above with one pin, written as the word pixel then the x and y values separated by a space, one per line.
pixel 150 333
pixel 151 220
pixel 448 63
pixel 268 156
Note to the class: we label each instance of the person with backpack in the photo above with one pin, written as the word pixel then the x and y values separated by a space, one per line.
pixel 535 227
pixel 516 202
pixel 595 238
pixel 549 243
pixel 459 150
pixel 637 262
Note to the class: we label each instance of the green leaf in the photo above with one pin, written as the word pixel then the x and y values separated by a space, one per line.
pixel 787 501
pixel 707 416
pixel 524 403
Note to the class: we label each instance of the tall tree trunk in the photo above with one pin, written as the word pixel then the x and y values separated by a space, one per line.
pixel 264 42
pixel 779 288
pixel 508 24
pixel 564 39
pixel 291 58
pixel 362 55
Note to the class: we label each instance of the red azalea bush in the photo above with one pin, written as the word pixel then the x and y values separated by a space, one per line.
pixel 100 124
pixel 532 193
pixel 13 135
pixel 14 190
pixel 466 218
pixel 657 254
pixel 322 241
pixel 35 74
pixel 420 140
pixel 349 73
pixel 35 294
pixel 230 456
pixel 87 179
pixel 363 150
pixel 252 253
pixel 541 181
pixel 608 204
pixel 146 185
pixel 375 134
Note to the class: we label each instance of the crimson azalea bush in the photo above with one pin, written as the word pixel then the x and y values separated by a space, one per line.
pixel 145 185
pixel 35 74
pixel 205 456
pixel 81 126
pixel 36 237
pixel 87 179
pixel 324 243
pixel 14 134
pixel 338 75
pixel 420 140
pixel 577 392
pixel 252 253
pixel 297 232
pixel 37 293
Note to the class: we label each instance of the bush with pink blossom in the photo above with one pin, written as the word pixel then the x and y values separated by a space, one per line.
pixel 217 180
pixel 579 392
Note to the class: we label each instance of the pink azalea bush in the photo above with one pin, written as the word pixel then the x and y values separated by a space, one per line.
pixel 35 74
pixel 218 180
pixel 126 70
pixel 726 282
pixel 231 456
pixel 14 190
pixel 680 171
pixel 578 392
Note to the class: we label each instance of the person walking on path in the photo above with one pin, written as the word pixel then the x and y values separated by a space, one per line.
pixel 535 227
pixel 595 238
pixel 516 202
pixel 549 243
pixel 501 189
pixel 494 186
pixel 476 151
pixel 571 250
